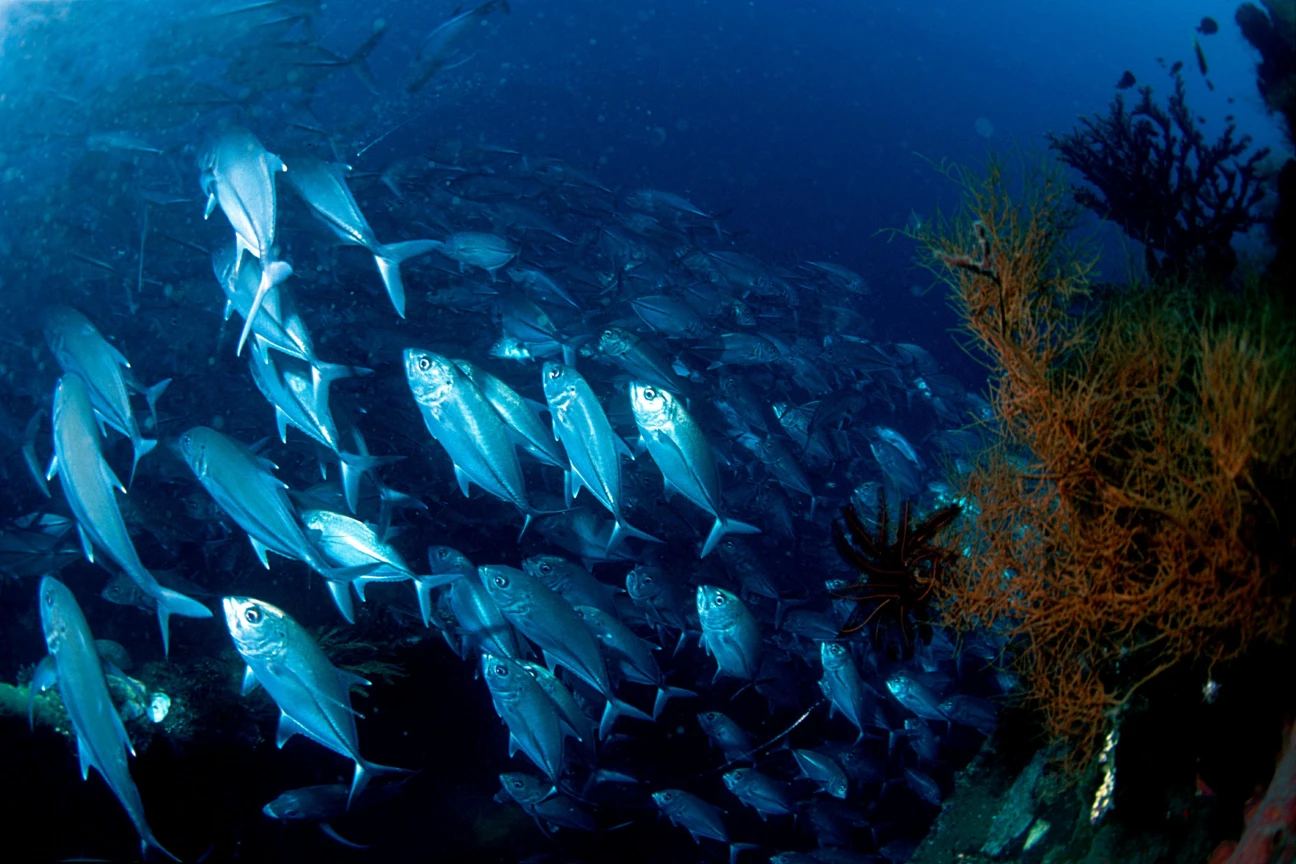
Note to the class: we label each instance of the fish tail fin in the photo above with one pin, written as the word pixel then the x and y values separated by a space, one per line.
pixel 263 288
pixel 389 258
pixel 152 395
pixel 621 530
pixel 174 603
pixel 358 61
pixel 365 771
pixel 148 841
pixel 143 446
pixel 725 526
pixel 354 466
pixel 616 708
pixel 323 374
pixel 665 694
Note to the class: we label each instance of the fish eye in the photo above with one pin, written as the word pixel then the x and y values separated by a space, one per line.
pixel 719 599
pixel 608 334
pixel 49 599
pixel 500 580
pixel 555 374
pixel 252 614
pixel 647 580
pixel 667 796
pixel 501 671
pixel 517 784
pixel 546 568
pixel 424 364
pixel 650 393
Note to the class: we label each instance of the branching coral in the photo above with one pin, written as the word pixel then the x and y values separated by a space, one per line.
pixel 1152 172
pixel 1124 511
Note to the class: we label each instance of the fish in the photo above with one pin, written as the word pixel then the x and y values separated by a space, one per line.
pixel 730 633
pixel 484 626
pixel 464 422
pixel 348 542
pixel 541 284
pixel 843 687
pixel 539 802
pixel 490 252
pixel 243 486
pixel 676 443
pixel 313 695
pixel 524 424
pixel 1126 81
pixel 640 360
pixel 549 621
pixel 80 348
pixel 1201 56
pixel 761 792
pixel 1208 26
pixel 102 742
pixel 631 655
pixel 88 483
pixel 570 579
pixel 238 174
pixel 842 277
pixel 698 818
pixel 532 719
pixel 724 732
pixel 915 695
pixel 322 185
pixel 593 449
pixel 317 804
pixel 824 770
pixel 440 45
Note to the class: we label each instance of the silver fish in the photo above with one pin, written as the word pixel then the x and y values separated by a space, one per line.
pixel 323 186
pixel 79 347
pixel 102 742
pixel 313 695
pixel 631 655
pixel 88 483
pixel 465 423
pixel 238 173
pixel 530 434
pixel 545 618
pixel 843 686
pixel 533 722
pixel 677 445
pixel 490 252
pixel 761 792
pixel 244 487
pixel 593 449
pixel 824 770
pixel 697 817
pixel 440 45
pixel 729 633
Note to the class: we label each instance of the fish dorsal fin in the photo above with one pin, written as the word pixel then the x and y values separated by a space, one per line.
pixel 250 681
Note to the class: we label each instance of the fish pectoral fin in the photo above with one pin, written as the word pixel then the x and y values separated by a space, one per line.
pixel 118 357
pixel 44 676
pixel 623 448
pixel 281 421
pixel 86 759
pixel 550 661
pixel 513 746
pixel 288 727
pixel 330 833
pixel 250 681
pixel 52 469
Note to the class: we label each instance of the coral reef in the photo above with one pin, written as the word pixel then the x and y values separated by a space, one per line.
pixel 1151 171
pixel 1128 511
